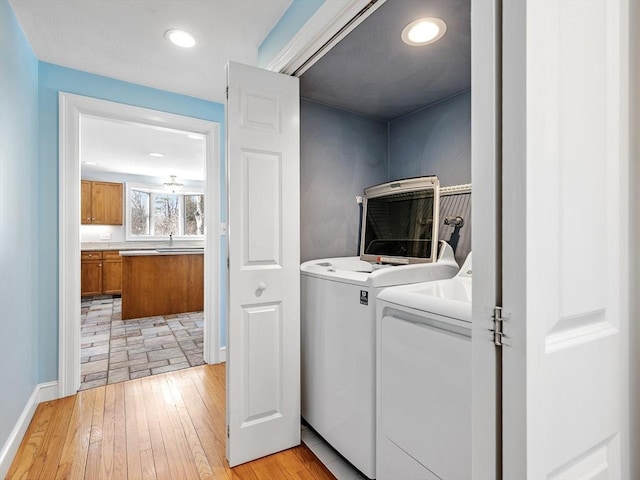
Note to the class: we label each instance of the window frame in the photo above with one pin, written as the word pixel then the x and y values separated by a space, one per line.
pixel 153 190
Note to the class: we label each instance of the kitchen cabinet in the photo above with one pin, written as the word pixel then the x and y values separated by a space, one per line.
pixel 111 273
pixel 101 203
pixel 90 273
pixel 155 284
pixel 101 273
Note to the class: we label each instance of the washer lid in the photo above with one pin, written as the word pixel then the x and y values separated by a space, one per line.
pixel 450 298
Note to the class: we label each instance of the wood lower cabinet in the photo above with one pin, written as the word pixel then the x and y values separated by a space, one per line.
pixel 90 273
pixel 111 273
pixel 101 203
pixel 162 285
pixel 101 273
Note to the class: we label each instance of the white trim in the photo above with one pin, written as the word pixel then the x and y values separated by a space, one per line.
pixel 328 20
pixel 222 354
pixel 43 392
pixel 71 108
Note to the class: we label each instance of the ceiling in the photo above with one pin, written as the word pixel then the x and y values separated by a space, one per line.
pixel 125 39
pixel 123 147
pixel 372 72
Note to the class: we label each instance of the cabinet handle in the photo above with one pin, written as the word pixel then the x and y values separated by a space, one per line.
pixel 99 264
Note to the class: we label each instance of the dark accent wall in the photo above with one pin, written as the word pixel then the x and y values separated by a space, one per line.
pixel 433 141
pixel 341 153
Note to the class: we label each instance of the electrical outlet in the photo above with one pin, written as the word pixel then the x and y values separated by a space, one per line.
pixel 105 236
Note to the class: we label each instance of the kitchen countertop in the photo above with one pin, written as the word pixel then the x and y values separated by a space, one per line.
pixel 163 251
pixel 122 246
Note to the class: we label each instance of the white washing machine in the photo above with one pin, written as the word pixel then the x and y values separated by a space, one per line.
pixel 338 350
pixel 424 380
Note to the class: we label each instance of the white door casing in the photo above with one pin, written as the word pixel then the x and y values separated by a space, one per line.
pixel 263 354
pixel 565 240
pixel 485 169
pixel 72 108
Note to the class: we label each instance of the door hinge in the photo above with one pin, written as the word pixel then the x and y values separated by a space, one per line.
pixel 228 263
pixel 498 333
pixel 227 431
pixel 227 93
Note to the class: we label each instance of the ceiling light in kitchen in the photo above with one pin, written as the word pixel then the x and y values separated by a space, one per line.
pixel 180 38
pixel 89 163
pixel 155 154
pixel 172 185
pixel 423 31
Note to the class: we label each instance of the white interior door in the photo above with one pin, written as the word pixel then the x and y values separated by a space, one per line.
pixel 565 236
pixel 263 349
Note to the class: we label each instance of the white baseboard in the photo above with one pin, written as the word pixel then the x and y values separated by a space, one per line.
pixel 43 392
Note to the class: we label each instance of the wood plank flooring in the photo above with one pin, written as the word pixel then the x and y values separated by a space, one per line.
pixel 169 426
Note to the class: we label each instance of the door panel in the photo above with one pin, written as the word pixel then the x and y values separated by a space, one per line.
pixel 263 356
pixel 565 284
pixel 262 242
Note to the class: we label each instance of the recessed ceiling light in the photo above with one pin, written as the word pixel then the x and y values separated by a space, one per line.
pixel 89 163
pixel 154 154
pixel 423 31
pixel 180 38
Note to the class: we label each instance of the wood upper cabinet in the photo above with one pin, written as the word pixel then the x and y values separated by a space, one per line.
pixel 101 203
pixel 85 204
pixel 101 273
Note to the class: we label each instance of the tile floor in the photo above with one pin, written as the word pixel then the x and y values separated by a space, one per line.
pixel 114 350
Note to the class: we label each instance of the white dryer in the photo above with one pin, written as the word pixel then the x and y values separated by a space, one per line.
pixel 424 380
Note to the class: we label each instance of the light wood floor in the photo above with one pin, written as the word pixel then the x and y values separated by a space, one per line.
pixel 169 426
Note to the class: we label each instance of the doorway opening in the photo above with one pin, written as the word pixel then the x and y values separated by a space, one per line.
pixel 156 215
pixel 142 193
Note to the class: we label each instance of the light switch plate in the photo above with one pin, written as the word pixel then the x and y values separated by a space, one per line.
pixel 105 236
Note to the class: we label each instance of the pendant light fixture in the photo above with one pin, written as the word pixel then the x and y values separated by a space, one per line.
pixel 172 185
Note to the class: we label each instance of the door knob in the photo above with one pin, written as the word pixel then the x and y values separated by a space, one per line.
pixel 262 286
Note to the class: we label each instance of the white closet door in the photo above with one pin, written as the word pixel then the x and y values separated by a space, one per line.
pixel 565 238
pixel 263 356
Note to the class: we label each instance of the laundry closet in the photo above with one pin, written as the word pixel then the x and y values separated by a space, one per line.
pixel 375 110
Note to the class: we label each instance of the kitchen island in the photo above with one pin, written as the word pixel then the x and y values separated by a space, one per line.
pixel 162 282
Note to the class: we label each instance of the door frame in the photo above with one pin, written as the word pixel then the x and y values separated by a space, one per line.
pixel 307 47
pixel 486 178
pixel 72 107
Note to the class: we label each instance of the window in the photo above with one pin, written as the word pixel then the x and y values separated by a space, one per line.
pixel 153 212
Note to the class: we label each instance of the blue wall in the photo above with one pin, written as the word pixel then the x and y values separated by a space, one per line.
pixel 53 79
pixel 298 13
pixel 341 153
pixel 18 221
pixel 435 140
